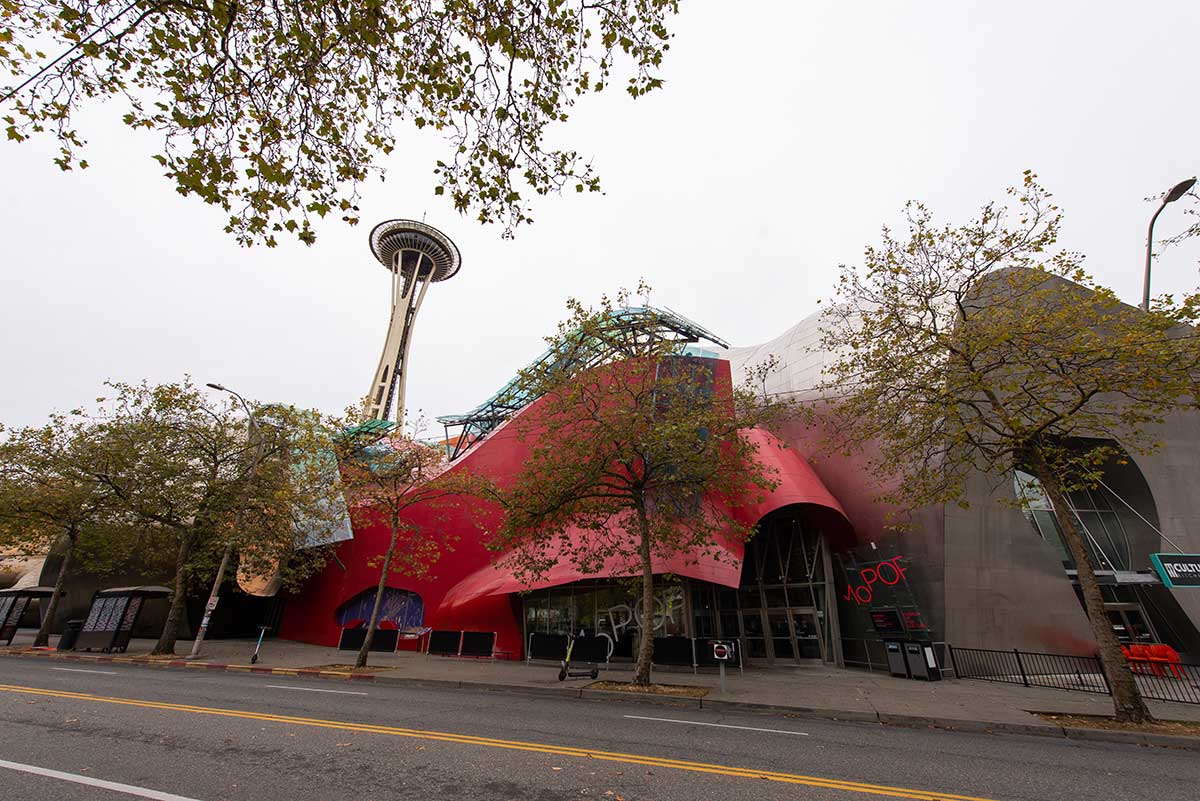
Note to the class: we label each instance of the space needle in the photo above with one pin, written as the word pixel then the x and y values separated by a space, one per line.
pixel 416 255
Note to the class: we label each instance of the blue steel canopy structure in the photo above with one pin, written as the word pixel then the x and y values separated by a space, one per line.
pixel 618 336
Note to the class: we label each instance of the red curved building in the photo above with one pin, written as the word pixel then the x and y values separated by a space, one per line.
pixel 467 590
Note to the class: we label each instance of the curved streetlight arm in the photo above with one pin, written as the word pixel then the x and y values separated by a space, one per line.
pixel 251 421
pixel 1150 255
pixel 1176 192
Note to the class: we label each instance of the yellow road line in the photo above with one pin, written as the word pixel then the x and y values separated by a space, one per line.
pixel 514 745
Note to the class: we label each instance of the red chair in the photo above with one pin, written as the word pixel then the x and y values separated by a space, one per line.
pixel 1139 659
pixel 1162 658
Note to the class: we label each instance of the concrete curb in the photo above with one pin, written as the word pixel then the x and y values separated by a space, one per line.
pixel 1130 737
pixel 808 713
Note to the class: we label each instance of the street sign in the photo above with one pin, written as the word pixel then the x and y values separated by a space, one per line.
pixel 1177 570
pixel 722 653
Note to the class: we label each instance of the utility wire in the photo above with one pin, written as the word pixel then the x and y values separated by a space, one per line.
pixel 68 52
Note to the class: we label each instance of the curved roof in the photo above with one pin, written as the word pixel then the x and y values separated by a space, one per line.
pixel 393 236
pixel 801 363
pixel 798 484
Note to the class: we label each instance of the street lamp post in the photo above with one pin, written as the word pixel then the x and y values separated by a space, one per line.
pixel 1179 190
pixel 252 434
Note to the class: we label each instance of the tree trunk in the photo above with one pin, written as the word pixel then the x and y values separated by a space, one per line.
pixel 373 623
pixel 641 675
pixel 1127 699
pixel 166 641
pixel 43 636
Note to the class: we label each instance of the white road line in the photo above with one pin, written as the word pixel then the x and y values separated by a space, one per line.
pixel 314 690
pixel 85 670
pixel 128 789
pixel 717 725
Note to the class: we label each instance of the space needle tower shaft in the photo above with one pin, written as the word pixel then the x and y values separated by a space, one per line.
pixel 416 255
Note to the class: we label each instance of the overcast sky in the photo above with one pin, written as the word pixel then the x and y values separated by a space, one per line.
pixel 783 139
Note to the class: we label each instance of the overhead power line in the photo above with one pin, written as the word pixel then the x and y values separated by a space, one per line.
pixel 68 52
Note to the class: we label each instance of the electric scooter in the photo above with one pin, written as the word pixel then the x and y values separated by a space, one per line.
pixel 262 631
pixel 565 671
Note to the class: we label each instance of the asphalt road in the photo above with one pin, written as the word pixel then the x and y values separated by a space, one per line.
pixel 175 734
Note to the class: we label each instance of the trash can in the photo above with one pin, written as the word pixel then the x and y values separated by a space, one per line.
pixel 921 663
pixel 895 658
pixel 69 636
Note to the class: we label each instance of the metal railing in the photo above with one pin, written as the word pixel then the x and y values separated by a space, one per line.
pixel 1162 681
pixel 1167 681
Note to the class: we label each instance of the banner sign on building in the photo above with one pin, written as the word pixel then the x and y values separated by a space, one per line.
pixel 879 587
pixel 1177 569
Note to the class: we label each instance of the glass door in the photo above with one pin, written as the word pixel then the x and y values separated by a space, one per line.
pixel 782 636
pixel 783 644
pixel 752 634
pixel 808 634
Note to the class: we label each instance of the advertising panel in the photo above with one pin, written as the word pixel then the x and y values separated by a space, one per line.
pixel 1177 569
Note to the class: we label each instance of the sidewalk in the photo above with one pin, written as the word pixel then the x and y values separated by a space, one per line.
pixel 816 691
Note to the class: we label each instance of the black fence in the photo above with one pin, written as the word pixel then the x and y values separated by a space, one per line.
pixel 667 651
pixel 479 644
pixel 1162 681
pixel 384 640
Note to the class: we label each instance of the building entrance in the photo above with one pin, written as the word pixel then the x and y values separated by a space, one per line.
pixel 784 597
pixel 782 636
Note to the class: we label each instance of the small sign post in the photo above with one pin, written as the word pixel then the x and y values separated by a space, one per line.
pixel 209 608
pixel 722 653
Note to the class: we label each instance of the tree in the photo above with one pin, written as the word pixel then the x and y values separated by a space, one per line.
pixel 176 461
pixel 635 455
pixel 47 499
pixel 388 476
pixel 983 347
pixel 276 112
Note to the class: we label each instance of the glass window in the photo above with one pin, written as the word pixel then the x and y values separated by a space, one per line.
pixel 800 596
pixel 751 562
pixel 775 597
pixel 561 612
pixel 727 598
pixel 669 612
pixel 1137 627
pixel 749 598
pixel 1100 526
pixel 702 599
pixel 585 611
pixel 613 614
pixel 532 604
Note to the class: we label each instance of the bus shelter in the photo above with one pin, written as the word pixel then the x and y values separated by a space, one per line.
pixel 13 604
pixel 112 617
